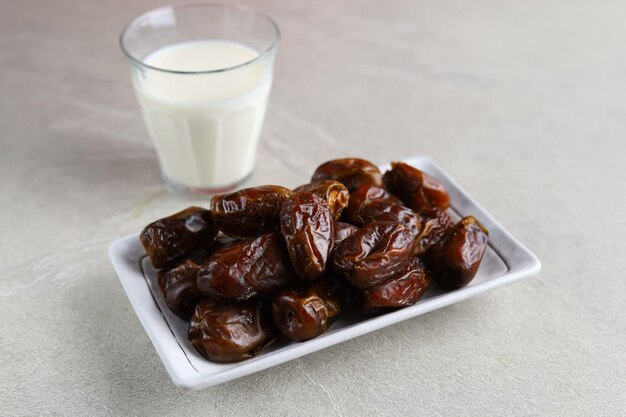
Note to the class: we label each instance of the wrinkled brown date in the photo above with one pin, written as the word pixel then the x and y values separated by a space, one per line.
pixel 435 224
pixel 247 269
pixel 374 253
pixel 351 172
pixel 403 289
pixel 335 193
pixel 418 190
pixel 173 238
pixel 369 203
pixel 342 231
pixel 228 331
pixel 454 259
pixel 179 288
pixel 306 310
pixel 307 225
pixel 249 212
pixel 222 241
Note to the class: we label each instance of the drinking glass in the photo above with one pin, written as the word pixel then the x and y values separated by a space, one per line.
pixel 202 75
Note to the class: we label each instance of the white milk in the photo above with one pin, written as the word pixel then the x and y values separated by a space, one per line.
pixel 205 126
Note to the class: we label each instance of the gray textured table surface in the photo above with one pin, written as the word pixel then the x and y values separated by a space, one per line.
pixel 524 103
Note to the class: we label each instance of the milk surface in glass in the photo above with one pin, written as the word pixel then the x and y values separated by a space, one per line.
pixel 205 125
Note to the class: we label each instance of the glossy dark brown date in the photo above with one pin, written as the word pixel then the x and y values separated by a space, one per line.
pixel 351 172
pixel 402 289
pixel 228 331
pixel 374 253
pixel 435 224
pixel 305 310
pixel 418 190
pixel 307 225
pixel 342 231
pixel 335 193
pixel 179 288
pixel 455 258
pixel 222 241
pixel 247 269
pixel 369 203
pixel 249 212
pixel 175 237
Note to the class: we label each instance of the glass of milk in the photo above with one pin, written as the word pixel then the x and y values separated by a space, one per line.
pixel 202 75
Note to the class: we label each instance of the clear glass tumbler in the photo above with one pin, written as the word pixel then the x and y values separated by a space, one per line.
pixel 202 75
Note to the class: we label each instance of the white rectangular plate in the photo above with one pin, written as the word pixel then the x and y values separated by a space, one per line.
pixel 506 260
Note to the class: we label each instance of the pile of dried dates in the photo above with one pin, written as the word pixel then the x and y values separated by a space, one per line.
pixel 268 261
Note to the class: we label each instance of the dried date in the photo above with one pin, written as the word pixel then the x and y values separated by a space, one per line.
pixel 455 258
pixel 374 253
pixel 418 190
pixel 351 172
pixel 306 310
pixel 179 288
pixel 369 203
pixel 247 269
pixel 307 226
pixel 342 231
pixel 175 237
pixel 249 212
pixel 228 330
pixel 435 224
pixel 335 193
pixel 222 241
pixel 403 289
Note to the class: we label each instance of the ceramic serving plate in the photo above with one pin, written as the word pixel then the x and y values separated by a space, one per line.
pixel 506 260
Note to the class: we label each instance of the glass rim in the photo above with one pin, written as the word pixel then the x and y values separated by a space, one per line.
pixel 185 5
